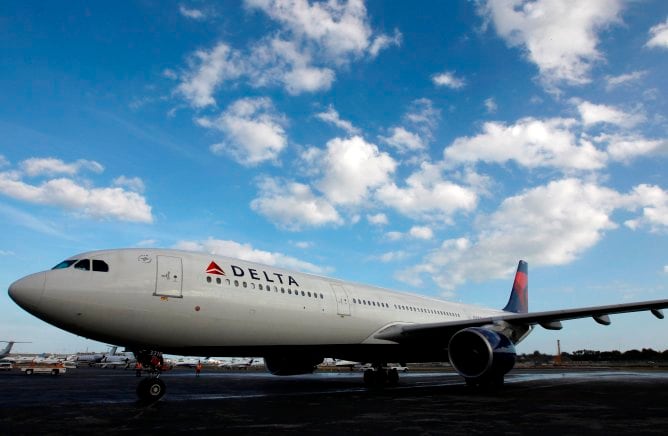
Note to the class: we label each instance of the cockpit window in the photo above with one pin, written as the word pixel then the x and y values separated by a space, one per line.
pixel 100 265
pixel 83 264
pixel 65 264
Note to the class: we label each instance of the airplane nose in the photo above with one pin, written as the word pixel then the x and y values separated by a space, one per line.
pixel 27 292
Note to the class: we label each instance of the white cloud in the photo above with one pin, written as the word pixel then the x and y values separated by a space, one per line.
pixel 427 195
pixel 623 79
pixel 421 232
pixel 490 105
pixel 293 205
pixel 403 140
pixel 599 113
pixel 132 183
pixel 546 225
pixel 207 71
pixel 383 41
pixel 423 115
pixel 170 74
pixel 665 269
pixel 394 236
pixel 276 61
pixel 626 147
pixel 253 129
pixel 3 161
pixel 658 36
pixel 391 256
pixel 99 203
pixel 51 166
pixel 419 122
pixel 338 29
pixel 331 116
pixel 312 40
pixel 248 253
pixel 560 37
pixel 448 79
pixel 303 244
pixel 654 204
pixel 379 219
pixel 529 142
pixel 352 167
pixel 192 13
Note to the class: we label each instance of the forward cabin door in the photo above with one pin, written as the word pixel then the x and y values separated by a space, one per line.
pixel 169 280
pixel 342 303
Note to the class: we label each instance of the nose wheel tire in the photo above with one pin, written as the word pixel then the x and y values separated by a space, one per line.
pixel 151 389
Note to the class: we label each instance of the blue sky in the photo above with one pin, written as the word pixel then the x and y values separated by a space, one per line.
pixel 423 148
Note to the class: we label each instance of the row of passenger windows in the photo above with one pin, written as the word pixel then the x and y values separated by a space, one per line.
pixel 84 264
pixel 289 291
pixel 268 288
pixel 407 308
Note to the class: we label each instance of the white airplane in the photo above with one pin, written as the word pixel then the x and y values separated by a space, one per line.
pixel 156 301
pixel 113 359
pixel 239 363
pixel 187 362
pixel 8 348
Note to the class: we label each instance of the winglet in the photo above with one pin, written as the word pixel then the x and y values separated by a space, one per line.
pixel 519 296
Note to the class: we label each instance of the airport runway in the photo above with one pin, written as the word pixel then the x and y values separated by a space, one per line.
pixel 532 402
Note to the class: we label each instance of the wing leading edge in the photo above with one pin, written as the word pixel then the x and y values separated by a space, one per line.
pixel 550 320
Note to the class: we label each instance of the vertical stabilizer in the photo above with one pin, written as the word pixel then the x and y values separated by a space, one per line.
pixel 5 351
pixel 519 296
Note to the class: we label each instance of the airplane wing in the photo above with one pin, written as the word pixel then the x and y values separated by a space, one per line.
pixel 551 320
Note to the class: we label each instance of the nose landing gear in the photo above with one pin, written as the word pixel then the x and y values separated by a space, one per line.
pixel 152 388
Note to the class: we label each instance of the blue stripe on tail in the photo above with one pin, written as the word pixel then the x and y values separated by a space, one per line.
pixel 519 296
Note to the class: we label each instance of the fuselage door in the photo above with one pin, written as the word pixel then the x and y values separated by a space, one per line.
pixel 342 303
pixel 169 280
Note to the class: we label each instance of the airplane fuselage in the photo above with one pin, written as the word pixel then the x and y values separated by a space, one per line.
pixel 200 304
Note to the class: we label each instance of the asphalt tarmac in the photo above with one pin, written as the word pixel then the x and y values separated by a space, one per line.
pixel 532 402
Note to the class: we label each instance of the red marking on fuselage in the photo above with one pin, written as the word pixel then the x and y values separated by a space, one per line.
pixel 213 268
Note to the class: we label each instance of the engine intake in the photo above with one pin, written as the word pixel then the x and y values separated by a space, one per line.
pixel 291 365
pixel 479 353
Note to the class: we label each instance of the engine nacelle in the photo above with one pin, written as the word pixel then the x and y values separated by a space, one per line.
pixel 478 353
pixel 291 365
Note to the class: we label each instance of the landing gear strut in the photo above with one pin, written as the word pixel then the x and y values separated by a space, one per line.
pixel 380 375
pixel 152 388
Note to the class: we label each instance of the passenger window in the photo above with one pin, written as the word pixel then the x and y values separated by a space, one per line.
pixel 303 294
pixel 236 283
pixel 218 281
pixel 208 279
pixel 83 264
pixel 245 285
pixel 227 281
pixel 289 291
pixel 260 286
pixel 309 294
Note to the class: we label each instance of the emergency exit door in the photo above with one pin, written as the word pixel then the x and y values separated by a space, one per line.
pixel 169 280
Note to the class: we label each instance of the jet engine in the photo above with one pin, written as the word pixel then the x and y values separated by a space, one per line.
pixel 291 365
pixel 481 355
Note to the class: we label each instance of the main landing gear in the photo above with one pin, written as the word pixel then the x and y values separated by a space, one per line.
pixel 152 388
pixel 380 375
